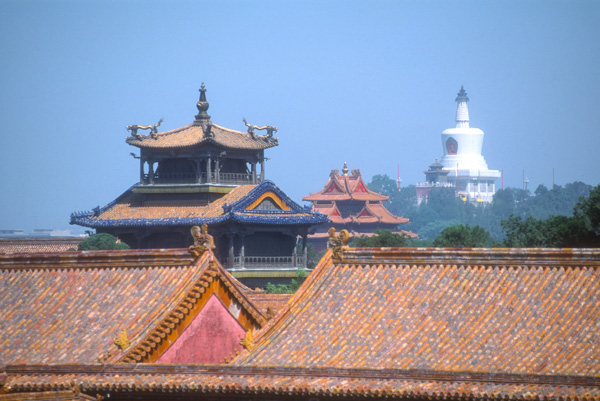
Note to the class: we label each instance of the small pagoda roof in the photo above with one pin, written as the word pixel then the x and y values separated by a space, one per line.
pixel 436 165
pixel 264 204
pixel 69 308
pixel 345 187
pixel 370 213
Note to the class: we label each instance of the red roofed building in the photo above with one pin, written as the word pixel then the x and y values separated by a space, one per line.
pixel 352 206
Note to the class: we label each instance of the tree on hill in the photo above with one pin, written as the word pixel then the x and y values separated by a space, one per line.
pixel 400 201
pixel 464 236
pixel 101 241
pixel 581 230
pixel 382 238
pixel 588 209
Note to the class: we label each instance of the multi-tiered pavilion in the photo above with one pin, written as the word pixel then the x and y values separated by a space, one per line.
pixel 204 173
pixel 350 205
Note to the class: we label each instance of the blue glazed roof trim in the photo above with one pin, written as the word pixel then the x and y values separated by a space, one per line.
pixel 236 212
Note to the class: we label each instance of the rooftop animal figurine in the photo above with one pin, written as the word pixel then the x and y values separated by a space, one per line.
pixel 153 129
pixel 338 243
pixel 270 129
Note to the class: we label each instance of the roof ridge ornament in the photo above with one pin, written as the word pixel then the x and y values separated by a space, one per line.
pixel 269 128
pixel 338 243
pixel 345 169
pixel 202 117
pixel 153 129
pixel 202 241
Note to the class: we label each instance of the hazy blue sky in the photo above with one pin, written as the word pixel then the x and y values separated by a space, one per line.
pixel 368 82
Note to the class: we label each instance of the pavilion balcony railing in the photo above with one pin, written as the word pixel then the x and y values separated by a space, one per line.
pixel 192 178
pixel 235 178
pixel 435 184
pixel 268 262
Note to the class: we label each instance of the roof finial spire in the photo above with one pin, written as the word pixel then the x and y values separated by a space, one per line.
pixel 345 169
pixel 202 106
pixel 462 111
pixel 461 95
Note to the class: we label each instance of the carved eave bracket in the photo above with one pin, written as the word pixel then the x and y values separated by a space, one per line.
pixel 202 241
pixel 338 243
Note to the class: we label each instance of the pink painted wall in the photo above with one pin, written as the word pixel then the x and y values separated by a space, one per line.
pixel 211 337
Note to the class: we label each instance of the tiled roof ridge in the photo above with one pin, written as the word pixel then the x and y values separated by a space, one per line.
pixel 39 239
pixel 372 206
pixel 237 290
pixel 245 382
pixel 194 134
pixel 84 214
pixel 500 257
pixel 96 259
pixel 164 133
pixel 282 316
pixel 211 270
pixel 148 343
pixel 368 208
pixel 228 369
pixel 343 182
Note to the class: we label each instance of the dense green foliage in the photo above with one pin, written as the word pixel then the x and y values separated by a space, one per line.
pixel 462 236
pixel 101 241
pixel 287 289
pixel 579 230
pixel 383 238
pixel 443 209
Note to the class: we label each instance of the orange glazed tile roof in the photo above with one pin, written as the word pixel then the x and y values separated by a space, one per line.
pixel 264 302
pixel 239 205
pixel 243 383
pixel 70 308
pixel 521 311
pixel 130 207
pixel 193 135
pixel 345 187
pixel 405 324
pixel 38 245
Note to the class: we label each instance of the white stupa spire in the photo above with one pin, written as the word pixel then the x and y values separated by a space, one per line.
pixel 462 158
pixel 462 111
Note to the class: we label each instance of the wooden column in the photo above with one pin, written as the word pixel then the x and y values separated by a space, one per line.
pixel 142 161
pixel 230 256
pixel 304 251
pixel 208 170
pixel 262 170
pixel 150 171
pixel 242 252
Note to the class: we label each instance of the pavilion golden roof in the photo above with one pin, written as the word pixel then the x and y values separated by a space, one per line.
pixel 195 135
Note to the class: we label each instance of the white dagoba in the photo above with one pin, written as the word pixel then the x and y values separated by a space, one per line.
pixel 462 157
